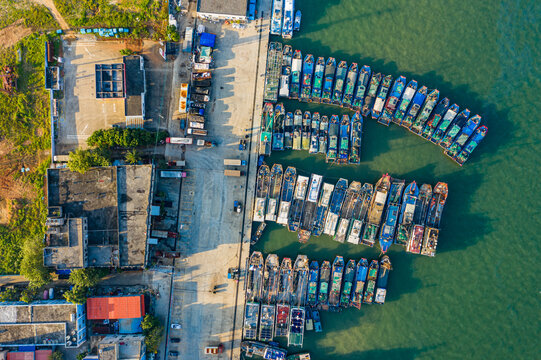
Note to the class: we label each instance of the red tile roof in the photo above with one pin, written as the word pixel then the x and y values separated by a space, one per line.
pixel 43 354
pixel 118 307
pixel 21 355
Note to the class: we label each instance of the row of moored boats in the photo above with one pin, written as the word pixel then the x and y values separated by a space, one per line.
pixel 339 139
pixel 390 211
pixel 282 21
pixel 283 299
pixel 407 104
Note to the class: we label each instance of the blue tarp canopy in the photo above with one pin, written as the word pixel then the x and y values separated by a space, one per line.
pixel 207 39
pixel 130 326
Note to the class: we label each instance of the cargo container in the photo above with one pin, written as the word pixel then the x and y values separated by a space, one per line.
pixel 196 125
pixel 179 163
pixel 236 173
pixel 199 98
pixel 179 140
pixel 197 118
pixel 198 132
pixel 172 174
pixel 234 162
pixel 201 90
pixel 183 102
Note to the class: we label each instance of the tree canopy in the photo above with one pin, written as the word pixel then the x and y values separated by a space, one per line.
pixel 82 160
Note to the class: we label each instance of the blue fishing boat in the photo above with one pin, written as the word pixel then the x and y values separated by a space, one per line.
pixel 334 129
pixel 392 102
pixel 408 95
pixel 296 68
pixel 356 133
pixel 448 118
pixel 419 218
pixel 285 78
pixel 306 129
pixel 474 141
pixel 428 106
pixel 371 94
pixel 267 121
pixel 309 210
pixel 297 130
pixel 336 284
pixel 323 134
pixel 339 80
pixel 313 279
pixel 287 24
pixel 349 278
pixel 330 69
pixel 335 206
pixel 317 320
pixel 388 229
pixel 323 288
pixel 278 127
pixel 433 218
pixel 362 85
pixel 318 79
pixel 288 131
pixel 455 128
pixel 343 151
pixel 435 118
pixel 286 197
pixel 295 213
pixel 276 21
pixel 371 282
pixel 463 136
pixel 415 107
pixel 405 221
pixel 359 213
pixel 314 137
pixel 383 277
pixel 297 24
pixel 381 97
pixel 358 284
pixel 307 73
pixel 322 208
pixel 351 80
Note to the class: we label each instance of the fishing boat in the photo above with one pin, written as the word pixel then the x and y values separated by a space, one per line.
pixel 295 213
pixel 392 101
pixel 356 133
pixel 339 79
pixel 287 55
pixel 409 93
pixel 262 189
pixel 265 140
pixel 435 210
pixel 349 88
pixel 285 288
pixel 337 274
pixel 282 320
pixel 349 278
pixel 306 129
pixel 359 213
pixel 314 137
pixel 448 118
pixel 371 94
pixel 254 277
pixel 297 130
pixel 381 97
pixel 362 85
pixel 287 23
pixel 313 279
pixel 309 212
pixel 321 210
pixel 288 190
pixel 296 68
pixel 259 232
pixel 454 129
pixel 435 118
pixel 419 217
pixel 463 136
pixel 276 21
pixel 323 288
pixel 334 207
pixel 300 280
pixel 428 106
pixel 297 24
pixel 405 221
pixel 334 128
pixel 278 127
pixel 346 213
pixel 317 321
pixel 388 229
pixel 371 282
pixel 251 319
pixel 288 131
pixel 275 186
pixel 358 283
pixel 308 322
pixel 318 79
pixel 323 135
pixel 296 328
pixel 383 277
pixel 375 212
pixel 471 145
pixel 307 74
pixel 255 348
pixel 330 68
pixel 343 151
pixel 415 107
pixel 271 279
pixel 266 323
pixel 285 79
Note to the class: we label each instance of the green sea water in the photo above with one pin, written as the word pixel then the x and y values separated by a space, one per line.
pixel 479 298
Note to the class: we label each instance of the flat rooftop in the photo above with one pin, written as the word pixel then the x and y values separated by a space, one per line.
pixel 66 248
pixel 135 85
pixel 121 347
pixel 109 81
pixel 220 7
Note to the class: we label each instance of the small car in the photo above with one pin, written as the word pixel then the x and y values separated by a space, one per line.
pixel 176 326
pixel 173 353
pixel 175 340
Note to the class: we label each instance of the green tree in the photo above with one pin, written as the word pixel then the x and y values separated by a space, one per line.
pixel 28 294
pixel 82 355
pixel 77 295
pixel 126 52
pixel 82 160
pixel 153 331
pixel 172 33
pixel 84 277
pixel 56 355
pixel 9 295
pixel 132 156
pixel 32 266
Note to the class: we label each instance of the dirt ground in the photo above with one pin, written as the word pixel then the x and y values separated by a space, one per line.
pixel 11 34
pixel 49 4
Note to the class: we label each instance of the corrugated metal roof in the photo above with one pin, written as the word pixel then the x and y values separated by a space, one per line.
pixel 118 307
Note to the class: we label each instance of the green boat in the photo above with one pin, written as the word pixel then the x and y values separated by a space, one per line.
pixel 349 277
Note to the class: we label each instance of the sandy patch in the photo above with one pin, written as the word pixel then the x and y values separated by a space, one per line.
pixel 13 33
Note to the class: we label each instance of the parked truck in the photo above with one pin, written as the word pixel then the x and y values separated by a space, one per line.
pixel 202 90
pixel 234 162
pixel 197 118
pixel 200 98
pixel 197 132
pixel 206 143
pixel 172 174
pixel 179 163
pixel 182 106
pixel 179 140
pixel 236 173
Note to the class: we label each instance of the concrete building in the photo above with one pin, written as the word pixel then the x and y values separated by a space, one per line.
pixel 42 323
pixel 134 74
pixel 100 218
pixel 122 347
pixel 222 10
